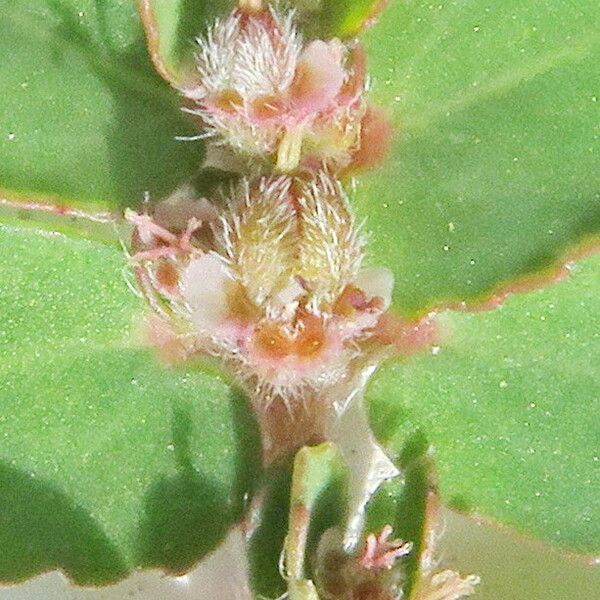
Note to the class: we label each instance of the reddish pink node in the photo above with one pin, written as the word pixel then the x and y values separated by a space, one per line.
pixel 407 337
pixel 375 140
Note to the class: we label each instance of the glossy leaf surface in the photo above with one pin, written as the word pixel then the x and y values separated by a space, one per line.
pixel 495 165
pixel 85 119
pixel 337 18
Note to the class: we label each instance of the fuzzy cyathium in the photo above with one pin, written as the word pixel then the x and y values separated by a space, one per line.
pixel 274 286
pixel 271 96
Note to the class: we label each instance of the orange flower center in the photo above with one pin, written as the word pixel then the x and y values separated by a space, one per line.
pixel 167 275
pixel 267 107
pixel 311 337
pixel 353 299
pixel 272 341
pixel 228 101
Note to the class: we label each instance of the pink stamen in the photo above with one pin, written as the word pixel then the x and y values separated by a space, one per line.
pixel 151 233
pixel 148 229
pixel 380 552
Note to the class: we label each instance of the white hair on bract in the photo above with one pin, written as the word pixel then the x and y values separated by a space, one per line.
pixel 278 293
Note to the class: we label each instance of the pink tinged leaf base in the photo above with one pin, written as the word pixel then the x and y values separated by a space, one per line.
pixel 274 288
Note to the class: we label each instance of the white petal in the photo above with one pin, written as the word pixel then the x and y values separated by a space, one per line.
pixel 290 293
pixel 204 286
pixel 376 281
pixel 353 436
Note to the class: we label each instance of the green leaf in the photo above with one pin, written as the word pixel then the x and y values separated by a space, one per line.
pixel 494 170
pixel 301 502
pixel 85 119
pixel 109 460
pixel 171 28
pixel 267 541
pixel 410 505
pixel 337 18
pixel 508 401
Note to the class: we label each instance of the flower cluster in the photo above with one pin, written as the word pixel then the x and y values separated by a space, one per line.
pixel 380 571
pixel 272 97
pixel 268 275
pixel 276 288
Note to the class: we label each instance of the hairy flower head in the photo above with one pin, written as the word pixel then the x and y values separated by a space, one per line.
pixel 267 93
pixel 279 292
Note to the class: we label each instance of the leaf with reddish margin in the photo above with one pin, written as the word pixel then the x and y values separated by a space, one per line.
pixel 513 566
pixel 505 399
pixel 171 28
pixel 494 170
pixel 86 122
pixel 108 462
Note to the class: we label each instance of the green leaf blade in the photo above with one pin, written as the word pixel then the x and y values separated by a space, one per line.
pixel 494 168
pixel 110 461
pixel 326 19
pixel 86 121
pixel 506 401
